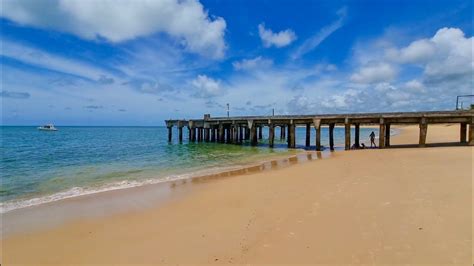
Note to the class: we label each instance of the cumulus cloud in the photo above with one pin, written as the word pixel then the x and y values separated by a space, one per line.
pixel 414 85
pixel 14 95
pixel 374 73
pixel 118 21
pixel 447 55
pixel 280 39
pixel 254 63
pixel 206 86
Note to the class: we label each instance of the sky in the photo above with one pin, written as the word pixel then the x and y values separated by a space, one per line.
pixel 139 62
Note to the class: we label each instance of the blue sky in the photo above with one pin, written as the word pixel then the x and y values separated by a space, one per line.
pixel 140 62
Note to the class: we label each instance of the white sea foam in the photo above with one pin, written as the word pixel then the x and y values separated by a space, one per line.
pixel 79 191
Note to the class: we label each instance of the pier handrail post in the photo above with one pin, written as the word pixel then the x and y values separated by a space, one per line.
pixel 423 132
pixel 271 133
pixel 382 133
pixel 317 127
pixel 347 131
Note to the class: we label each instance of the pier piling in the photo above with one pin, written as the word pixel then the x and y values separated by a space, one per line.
pixel 237 129
pixel 347 133
pixel 317 127
pixel 463 135
pixel 357 135
pixel 271 134
pixel 308 135
pixel 471 134
pixel 331 136
pixel 387 135
pixel 381 133
pixel 423 132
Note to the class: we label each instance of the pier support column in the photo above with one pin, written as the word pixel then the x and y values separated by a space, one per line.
pixel 213 134
pixel 291 135
pixel 317 127
pixel 253 133
pixel 199 134
pixel 241 134
pixel 381 133
pixel 423 132
pixel 463 135
pixel 308 135
pixel 170 133
pixel 347 131
pixel 471 134
pixel 260 132
pixel 220 133
pixel 228 135
pixel 271 134
pixel 206 135
pixel 180 134
pixel 235 134
pixel 387 135
pixel 192 134
pixel 283 132
pixel 331 136
pixel 357 135
pixel 247 133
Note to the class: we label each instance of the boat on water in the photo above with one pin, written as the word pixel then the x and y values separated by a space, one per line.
pixel 48 127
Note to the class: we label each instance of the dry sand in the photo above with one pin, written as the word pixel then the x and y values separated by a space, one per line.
pixel 392 206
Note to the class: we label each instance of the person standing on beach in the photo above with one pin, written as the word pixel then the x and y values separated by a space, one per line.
pixel 372 139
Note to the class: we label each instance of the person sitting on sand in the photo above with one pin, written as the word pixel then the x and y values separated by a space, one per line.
pixel 372 140
pixel 362 146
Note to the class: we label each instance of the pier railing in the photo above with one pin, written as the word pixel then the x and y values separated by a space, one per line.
pixel 236 130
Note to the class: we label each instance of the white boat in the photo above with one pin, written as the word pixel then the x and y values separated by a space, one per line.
pixel 48 127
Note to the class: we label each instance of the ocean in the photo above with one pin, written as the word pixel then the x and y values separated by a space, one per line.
pixel 38 167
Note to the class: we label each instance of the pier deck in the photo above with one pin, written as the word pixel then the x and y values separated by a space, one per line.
pixel 236 130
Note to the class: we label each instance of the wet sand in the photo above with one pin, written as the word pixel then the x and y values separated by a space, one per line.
pixel 391 206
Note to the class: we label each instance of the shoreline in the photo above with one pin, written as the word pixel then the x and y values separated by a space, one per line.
pixel 13 205
pixel 83 202
pixel 381 206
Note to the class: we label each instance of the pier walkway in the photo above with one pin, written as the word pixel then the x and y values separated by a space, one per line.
pixel 237 130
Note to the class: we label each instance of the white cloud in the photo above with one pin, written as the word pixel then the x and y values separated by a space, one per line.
pixel 374 73
pixel 42 59
pixel 415 86
pixel 254 63
pixel 447 55
pixel 314 41
pixel 280 39
pixel 206 86
pixel 123 20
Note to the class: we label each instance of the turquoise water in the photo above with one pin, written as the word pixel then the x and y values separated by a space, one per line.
pixel 38 166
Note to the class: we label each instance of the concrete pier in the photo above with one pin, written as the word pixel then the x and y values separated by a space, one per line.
pixel 238 130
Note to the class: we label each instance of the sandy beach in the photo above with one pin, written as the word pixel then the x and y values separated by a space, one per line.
pixel 405 206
